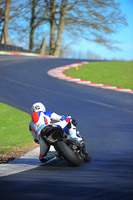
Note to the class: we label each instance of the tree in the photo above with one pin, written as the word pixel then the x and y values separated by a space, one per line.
pixel 95 20
pixel 32 24
pixel 57 22
pixel 1 14
pixel 25 18
pixel 38 15
pixel 4 37
pixel 43 46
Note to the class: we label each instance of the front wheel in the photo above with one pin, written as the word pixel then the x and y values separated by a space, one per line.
pixel 67 153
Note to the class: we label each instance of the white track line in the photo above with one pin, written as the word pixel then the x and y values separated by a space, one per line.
pixel 29 161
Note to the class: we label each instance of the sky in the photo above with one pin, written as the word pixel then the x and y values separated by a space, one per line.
pixel 125 37
pixel 83 48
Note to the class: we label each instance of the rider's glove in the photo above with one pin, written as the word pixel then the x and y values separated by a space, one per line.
pixel 69 116
pixel 74 122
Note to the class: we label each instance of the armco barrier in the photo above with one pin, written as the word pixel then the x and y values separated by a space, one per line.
pixel 5 47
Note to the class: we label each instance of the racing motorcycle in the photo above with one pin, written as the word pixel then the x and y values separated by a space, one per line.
pixel 68 148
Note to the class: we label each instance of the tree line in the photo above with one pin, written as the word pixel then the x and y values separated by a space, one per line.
pixel 30 20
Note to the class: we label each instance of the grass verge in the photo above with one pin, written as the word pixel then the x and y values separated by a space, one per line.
pixel 118 74
pixel 14 129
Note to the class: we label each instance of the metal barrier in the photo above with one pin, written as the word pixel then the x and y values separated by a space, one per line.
pixel 5 47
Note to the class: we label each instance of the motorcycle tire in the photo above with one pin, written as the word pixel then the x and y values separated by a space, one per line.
pixel 68 154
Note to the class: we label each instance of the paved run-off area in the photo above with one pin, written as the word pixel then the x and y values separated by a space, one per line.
pixel 29 161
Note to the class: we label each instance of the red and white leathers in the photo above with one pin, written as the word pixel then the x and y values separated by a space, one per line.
pixel 42 119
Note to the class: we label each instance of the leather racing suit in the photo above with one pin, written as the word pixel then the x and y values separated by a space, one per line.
pixel 42 119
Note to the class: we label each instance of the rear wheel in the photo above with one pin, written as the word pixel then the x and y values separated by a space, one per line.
pixel 67 153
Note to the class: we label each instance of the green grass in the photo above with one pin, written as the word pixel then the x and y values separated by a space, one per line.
pixel 14 128
pixel 118 74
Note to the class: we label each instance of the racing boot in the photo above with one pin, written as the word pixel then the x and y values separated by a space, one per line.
pixel 43 160
pixel 79 137
pixel 48 157
pixel 74 133
pixel 86 156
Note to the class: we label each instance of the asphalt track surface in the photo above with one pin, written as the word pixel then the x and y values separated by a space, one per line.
pixel 105 120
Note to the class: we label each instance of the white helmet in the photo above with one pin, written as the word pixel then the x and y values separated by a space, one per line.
pixel 36 107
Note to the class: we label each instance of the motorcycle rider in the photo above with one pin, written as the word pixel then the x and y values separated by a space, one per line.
pixel 41 118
